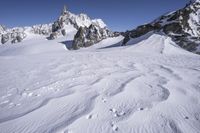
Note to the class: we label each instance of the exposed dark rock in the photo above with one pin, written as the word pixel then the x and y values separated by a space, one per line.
pixel 56 26
pixel 139 31
pixel 116 34
pixel 126 39
pixel 86 37
pixel 79 39
pixel 17 39
pixel 63 32
pixel 4 38
pixel 14 40
pixel 173 28
pixel 53 36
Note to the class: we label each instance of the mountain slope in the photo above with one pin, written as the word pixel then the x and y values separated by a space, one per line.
pixel 182 26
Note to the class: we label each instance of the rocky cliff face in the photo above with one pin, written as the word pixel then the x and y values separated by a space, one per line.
pixel 183 26
pixel 87 36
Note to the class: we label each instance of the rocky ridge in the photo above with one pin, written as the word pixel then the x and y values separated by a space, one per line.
pixel 183 26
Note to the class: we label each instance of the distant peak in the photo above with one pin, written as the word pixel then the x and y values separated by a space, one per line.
pixel 64 10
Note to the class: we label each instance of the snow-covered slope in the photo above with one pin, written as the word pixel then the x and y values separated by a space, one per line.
pixel 156 43
pixel 150 86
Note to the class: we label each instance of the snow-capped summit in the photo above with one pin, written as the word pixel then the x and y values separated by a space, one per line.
pixel 79 20
pixel 182 26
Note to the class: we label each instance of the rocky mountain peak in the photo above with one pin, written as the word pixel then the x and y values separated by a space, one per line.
pixel 69 19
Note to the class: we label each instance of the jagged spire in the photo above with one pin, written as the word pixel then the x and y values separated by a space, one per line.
pixel 64 10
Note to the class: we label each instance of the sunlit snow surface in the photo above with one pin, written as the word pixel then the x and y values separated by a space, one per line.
pixel 151 86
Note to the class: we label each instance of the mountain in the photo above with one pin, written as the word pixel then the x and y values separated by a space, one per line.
pixel 67 19
pixel 66 22
pixel 183 26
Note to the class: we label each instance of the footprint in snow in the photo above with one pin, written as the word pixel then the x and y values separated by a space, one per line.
pixel 114 127
pixel 104 100
pixel 11 104
pixel 140 109
pixel 116 113
pixel 37 95
pixel 186 117
pixel 91 116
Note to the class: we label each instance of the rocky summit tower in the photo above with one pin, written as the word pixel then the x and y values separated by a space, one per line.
pixel 64 12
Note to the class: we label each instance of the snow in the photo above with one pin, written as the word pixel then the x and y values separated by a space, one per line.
pixel 156 43
pixel 149 86
pixel 193 23
pixel 99 22
pixel 85 21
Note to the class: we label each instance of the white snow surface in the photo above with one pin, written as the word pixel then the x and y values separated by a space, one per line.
pixel 149 86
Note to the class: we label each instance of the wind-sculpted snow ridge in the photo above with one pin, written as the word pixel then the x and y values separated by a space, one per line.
pixel 149 87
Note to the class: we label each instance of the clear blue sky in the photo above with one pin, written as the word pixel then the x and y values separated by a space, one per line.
pixel 119 15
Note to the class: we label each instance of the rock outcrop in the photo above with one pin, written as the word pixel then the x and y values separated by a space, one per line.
pixel 14 35
pixel 88 36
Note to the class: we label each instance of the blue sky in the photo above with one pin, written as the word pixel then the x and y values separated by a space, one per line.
pixel 119 15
